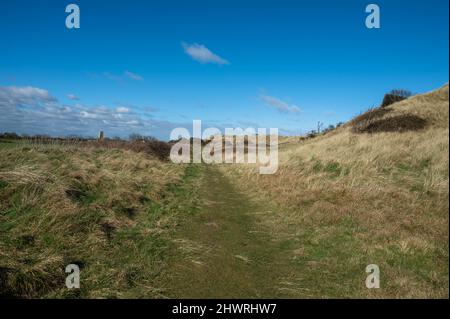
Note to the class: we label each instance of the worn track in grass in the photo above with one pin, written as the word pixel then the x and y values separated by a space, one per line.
pixel 222 251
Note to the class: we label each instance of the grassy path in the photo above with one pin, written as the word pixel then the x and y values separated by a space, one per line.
pixel 222 252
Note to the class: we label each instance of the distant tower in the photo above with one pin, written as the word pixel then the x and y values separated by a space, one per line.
pixel 101 136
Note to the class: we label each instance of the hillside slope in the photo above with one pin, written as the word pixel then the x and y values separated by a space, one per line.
pixel 345 200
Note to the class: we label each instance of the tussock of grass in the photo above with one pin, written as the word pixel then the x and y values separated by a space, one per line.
pixel 373 122
pixel 107 210
pixel 370 115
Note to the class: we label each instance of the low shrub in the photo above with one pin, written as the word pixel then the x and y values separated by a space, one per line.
pixel 399 123
pixel 395 96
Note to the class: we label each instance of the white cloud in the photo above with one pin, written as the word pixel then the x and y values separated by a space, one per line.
pixel 278 104
pixel 202 54
pixel 133 76
pixel 88 115
pixel 30 110
pixel 72 97
pixel 122 109
pixel 28 95
pixel 133 122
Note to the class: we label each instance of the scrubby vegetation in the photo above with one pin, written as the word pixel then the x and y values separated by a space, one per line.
pixel 395 96
pixel 376 121
pixel 108 210
pixel 136 143
pixel 344 200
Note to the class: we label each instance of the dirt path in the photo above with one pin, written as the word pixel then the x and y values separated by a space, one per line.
pixel 222 251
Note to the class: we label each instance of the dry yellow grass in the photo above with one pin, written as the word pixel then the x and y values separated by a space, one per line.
pixel 105 210
pixel 347 200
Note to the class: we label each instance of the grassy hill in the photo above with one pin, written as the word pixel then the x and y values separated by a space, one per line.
pixel 346 199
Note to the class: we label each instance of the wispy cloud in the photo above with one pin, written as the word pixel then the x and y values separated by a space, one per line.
pixel 278 104
pixel 202 54
pixel 122 109
pixel 110 76
pixel 72 97
pixel 133 76
pixel 126 75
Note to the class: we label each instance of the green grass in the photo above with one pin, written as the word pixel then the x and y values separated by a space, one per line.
pixel 110 212
pixel 333 169
pixel 4 143
pixel 222 251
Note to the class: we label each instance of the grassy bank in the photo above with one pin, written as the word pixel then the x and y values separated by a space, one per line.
pixel 345 200
pixel 110 211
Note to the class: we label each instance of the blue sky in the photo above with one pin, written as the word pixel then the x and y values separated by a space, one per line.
pixel 149 66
